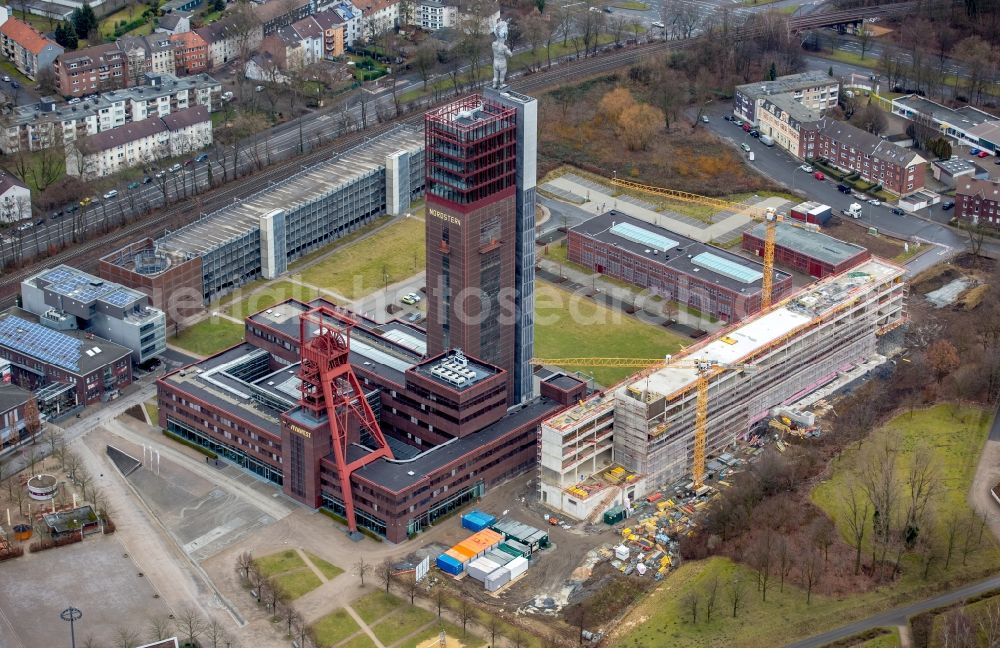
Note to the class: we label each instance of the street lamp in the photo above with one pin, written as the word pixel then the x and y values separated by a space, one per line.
pixel 72 615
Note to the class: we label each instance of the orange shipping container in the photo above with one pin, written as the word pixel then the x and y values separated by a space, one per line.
pixel 460 557
pixel 464 551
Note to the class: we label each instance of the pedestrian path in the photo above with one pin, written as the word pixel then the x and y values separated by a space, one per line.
pixel 364 626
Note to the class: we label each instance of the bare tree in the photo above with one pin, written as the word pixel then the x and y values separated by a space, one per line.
pixel 465 612
pixel 761 555
pixel 412 587
pixel 711 596
pixel 439 598
pixel 216 635
pixel 988 622
pixel 362 569
pixel 811 570
pixel 857 519
pixel 921 482
pixel 822 533
pixel 190 624
pixel 951 538
pixel 690 602
pixel 243 563
pixel 784 561
pixel 384 573
pixel 158 628
pixel 736 594
pixel 493 627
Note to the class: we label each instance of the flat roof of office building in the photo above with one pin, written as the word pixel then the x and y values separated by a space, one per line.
pixel 814 245
pixel 234 221
pixel 965 117
pixel 455 370
pixel 732 346
pixel 73 283
pixel 398 475
pixel 75 351
pixel 679 253
pixel 788 83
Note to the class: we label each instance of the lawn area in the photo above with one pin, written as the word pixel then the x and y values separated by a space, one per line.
pixel 357 269
pixel 955 436
pixel 568 326
pixel 209 336
pixel 268 296
pixel 402 623
pixel 131 12
pixel 153 411
pixel 329 570
pixel 632 5
pixel 290 573
pixel 359 641
pixel 889 639
pixel 852 58
pixel 452 631
pixel 376 605
pixel 975 611
pixel 334 628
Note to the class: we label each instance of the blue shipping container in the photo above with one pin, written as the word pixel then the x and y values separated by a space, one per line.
pixel 477 520
pixel 449 565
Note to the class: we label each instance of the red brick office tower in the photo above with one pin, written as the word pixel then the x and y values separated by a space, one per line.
pixel 471 166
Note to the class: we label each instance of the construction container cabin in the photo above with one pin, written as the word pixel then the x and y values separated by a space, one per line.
pixel 785 353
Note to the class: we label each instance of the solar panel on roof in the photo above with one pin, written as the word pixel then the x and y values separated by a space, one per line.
pixel 642 236
pixel 51 347
pixel 726 267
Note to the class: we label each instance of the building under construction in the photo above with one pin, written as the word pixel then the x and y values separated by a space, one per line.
pixel 628 441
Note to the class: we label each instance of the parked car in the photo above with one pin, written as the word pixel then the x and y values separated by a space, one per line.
pixel 983 154
pixel 74 100
pixel 201 158
pixel 746 128
pixel 15 85
pixel 974 151
pixel 6 79
pixel 806 168
pixel 25 226
pixel 844 189
pixel 704 119
pixel 737 121
pixel 86 201
pixel 754 133
pixel 175 168
pixel 260 88
pixel 408 299
pixel 898 212
pixel 111 194
pixel 227 96
pixel 40 222
pixel 71 209
pixel 874 201
pixel 133 185
pixel 658 25
pixel 819 175
pixel 745 147
pixel 996 161
pixel 947 205
pixel 146 180
pixel 159 174
pixel 189 162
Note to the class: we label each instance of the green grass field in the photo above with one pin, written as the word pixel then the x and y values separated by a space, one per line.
pixel 153 411
pixel 631 5
pixel 357 269
pixel 955 435
pixel 376 605
pixel 268 296
pixel 209 336
pixel 334 628
pixel 329 570
pixel 568 326
pixel 402 623
pixel 974 611
pixel 359 641
pixel 290 573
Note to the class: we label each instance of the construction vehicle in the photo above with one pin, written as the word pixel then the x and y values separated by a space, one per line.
pixel 767 215
pixel 707 369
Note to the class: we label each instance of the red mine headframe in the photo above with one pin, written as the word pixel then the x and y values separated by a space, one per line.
pixel 329 387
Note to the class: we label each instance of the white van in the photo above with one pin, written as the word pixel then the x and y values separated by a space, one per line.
pixel 766 141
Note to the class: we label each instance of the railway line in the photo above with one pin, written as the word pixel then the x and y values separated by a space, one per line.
pixel 86 255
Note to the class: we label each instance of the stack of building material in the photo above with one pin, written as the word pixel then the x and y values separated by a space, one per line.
pixel 480 568
pixel 477 520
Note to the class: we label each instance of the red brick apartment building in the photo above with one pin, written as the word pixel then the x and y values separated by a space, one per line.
pixel 978 201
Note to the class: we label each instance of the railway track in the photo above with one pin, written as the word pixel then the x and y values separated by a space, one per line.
pixel 86 255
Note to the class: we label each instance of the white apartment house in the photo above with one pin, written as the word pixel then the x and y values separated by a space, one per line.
pixel 15 199
pixel 139 143
pixel 815 90
pixel 433 15
pixel 350 16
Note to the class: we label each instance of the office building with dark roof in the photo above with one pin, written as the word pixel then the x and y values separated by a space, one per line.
pixel 75 365
pixel 448 434
pixel 805 250
pixel 703 277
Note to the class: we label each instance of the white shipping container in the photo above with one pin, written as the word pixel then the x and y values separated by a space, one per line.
pixel 517 567
pixel 481 568
pixel 497 579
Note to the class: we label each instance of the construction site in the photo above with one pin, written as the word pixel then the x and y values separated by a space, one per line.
pixel 656 430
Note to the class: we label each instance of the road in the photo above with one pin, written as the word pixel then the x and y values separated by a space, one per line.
pixel 900 615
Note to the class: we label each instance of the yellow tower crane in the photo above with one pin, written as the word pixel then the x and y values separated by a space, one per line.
pixel 767 215
pixel 707 369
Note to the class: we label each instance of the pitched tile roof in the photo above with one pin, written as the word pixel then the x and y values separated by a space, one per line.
pixel 987 189
pixel 26 36
pixel 187 117
pixel 866 142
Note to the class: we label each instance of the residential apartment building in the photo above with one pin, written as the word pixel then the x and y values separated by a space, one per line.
pixel 26 47
pixel 899 170
pixel 225 41
pixel 148 54
pixel 138 143
pixel 334 36
pixel 305 42
pixel 91 69
pixel 978 202
pixel 46 123
pixel 814 89
pixel 15 199
pixel 174 23
pixel 783 118
pixel 433 15
pixel 275 14
pixel 65 298
pixel 350 16
pixel 377 16
pixel 190 53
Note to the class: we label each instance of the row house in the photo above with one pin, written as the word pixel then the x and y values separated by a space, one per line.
pixel 899 170
pixel 225 40
pixel 815 90
pixel 47 123
pixel 305 42
pixel 275 14
pixel 190 53
pixel 978 202
pixel 377 17
pixel 154 53
pixel 140 143
pixel 26 47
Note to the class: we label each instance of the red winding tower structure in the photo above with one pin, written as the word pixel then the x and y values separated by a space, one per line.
pixel 333 410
